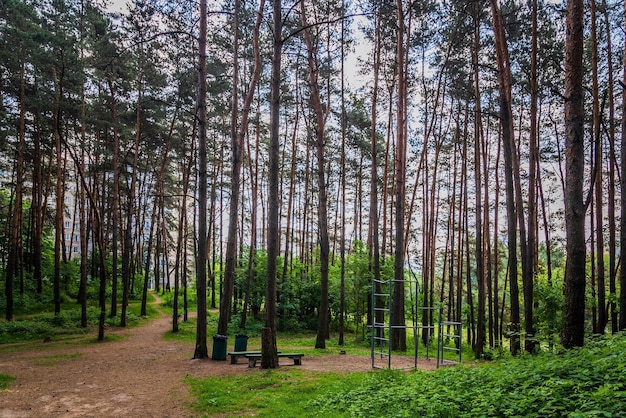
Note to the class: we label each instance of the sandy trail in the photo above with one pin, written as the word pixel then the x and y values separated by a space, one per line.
pixel 139 375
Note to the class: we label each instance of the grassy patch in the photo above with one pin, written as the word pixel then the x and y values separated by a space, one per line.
pixel 285 392
pixel 578 383
pixel 5 381
pixel 54 360
pixel 186 332
pixel 46 325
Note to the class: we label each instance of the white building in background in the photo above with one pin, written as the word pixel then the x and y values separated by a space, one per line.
pixel 71 222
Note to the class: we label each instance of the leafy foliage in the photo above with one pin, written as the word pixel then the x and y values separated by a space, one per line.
pixel 581 382
pixel 47 325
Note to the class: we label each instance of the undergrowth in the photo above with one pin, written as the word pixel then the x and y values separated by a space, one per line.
pixel 583 382
pixel 44 325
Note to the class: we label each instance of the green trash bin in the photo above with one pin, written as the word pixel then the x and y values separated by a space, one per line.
pixel 241 342
pixel 219 347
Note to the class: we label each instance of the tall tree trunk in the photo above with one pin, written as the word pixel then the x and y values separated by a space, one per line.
pixel 478 139
pixel 573 332
pixel 58 236
pixel 82 207
pixel 611 190
pixel 497 318
pixel 599 192
pixel 12 266
pixel 39 205
pixel 464 230
pixel 506 119
pixel 235 188
pixel 452 221
pixel 622 275
pixel 533 167
pixel 342 247
pixel 322 209
pixel 487 254
pixel 181 243
pixel 115 196
pixel 374 179
pixel 269 358
pixel 398 335
pixel 130 208
pixel 201 350
pixel 386 189
pixel 253 173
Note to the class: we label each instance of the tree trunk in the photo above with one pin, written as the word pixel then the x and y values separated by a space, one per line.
pixel 115 195
pixel 599 192
pixel 342 245
pixel 58 236
pixel 39 205
pixel 256 72
pixel 478 139
pixel 573 332
pixel 201 350
pixel 373 209
pixel 235 188
pixel 269 358
pixel 398 335
pixel 82 207
pixel 622 277
pixel 497 318
pixel 181 243
pixel 533 167
pixel 12 266
pixel 611 189
pixel 322 209
pixel 504 81
pixel 130 209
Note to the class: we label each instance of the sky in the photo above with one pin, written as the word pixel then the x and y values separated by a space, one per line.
pixel 117 6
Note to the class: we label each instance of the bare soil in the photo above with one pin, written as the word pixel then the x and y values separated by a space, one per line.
pixel 139 374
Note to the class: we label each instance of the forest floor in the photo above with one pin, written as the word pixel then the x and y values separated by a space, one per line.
pixel 134 372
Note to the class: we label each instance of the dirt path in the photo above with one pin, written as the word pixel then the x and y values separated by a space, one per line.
pixel 137 375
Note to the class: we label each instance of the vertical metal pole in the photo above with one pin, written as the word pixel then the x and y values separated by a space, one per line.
pixel 374 324
pixel 460 325
pixel 415 324
pixel 389 324
pixel 439 345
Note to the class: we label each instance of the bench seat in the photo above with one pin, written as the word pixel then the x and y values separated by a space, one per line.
pixel 254 357
pixel 234 355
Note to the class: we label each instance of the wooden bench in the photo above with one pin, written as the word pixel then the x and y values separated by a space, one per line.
pixel 254 357
pixel 234 355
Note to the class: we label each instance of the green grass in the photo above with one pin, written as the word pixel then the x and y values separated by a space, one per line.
pixel 286 392
pixel 5 381
pixel 54 360
pixel 46 325
pixel 586 382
